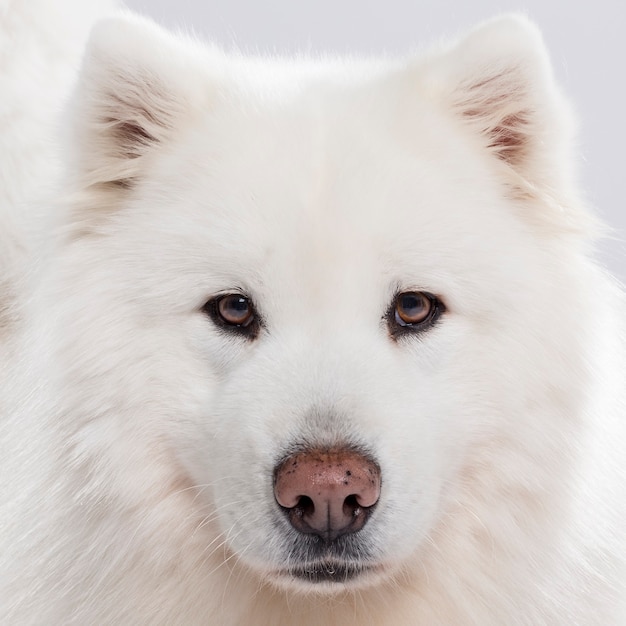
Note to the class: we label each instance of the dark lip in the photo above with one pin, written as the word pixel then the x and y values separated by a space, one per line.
pixel 327 572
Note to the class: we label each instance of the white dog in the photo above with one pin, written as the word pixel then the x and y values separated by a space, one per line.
pixel 314 342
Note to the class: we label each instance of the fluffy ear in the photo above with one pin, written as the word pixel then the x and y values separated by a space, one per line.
pixel 137 87
pixel 499 83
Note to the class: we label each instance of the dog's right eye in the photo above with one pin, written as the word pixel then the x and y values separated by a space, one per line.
pixel 233 312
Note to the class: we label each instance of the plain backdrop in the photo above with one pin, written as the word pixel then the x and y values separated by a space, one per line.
pixel 587 41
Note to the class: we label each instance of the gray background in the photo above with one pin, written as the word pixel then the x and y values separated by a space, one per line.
pixel 587 42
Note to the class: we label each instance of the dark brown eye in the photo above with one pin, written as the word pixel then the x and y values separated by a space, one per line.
pixel 235 310
pixel 234 313
pixel 412 312
pixel 412 307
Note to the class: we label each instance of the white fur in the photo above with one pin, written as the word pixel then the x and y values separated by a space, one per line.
pixel 41 44
pixel 140 440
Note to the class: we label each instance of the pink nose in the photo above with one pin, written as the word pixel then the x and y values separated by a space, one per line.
pixel 327 492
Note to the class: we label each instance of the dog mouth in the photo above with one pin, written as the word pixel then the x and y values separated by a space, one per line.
pixel 329 571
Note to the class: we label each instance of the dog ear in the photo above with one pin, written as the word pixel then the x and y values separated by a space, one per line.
pixel 137 87
pixel 499 83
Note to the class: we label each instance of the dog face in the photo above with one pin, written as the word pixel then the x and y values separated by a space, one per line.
pixel 313 288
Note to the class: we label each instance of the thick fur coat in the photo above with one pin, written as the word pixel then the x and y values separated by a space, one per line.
pixel 142 430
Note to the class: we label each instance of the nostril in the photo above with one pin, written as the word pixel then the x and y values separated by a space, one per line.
pixel 356 512
pixel 351 504
pixel 304 507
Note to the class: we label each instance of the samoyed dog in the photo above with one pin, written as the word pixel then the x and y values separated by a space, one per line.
pixel 314 342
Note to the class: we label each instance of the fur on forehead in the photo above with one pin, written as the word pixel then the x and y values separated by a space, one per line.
pixel 140 86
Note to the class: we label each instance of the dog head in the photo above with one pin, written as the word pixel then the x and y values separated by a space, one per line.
pixel 323 293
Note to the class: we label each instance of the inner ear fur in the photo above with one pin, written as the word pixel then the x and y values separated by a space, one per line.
pixel 498 82
pixel 137 87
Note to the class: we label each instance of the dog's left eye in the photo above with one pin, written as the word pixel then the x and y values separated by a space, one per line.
pixel 412 308
pixel 236 310
pixel 413 311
